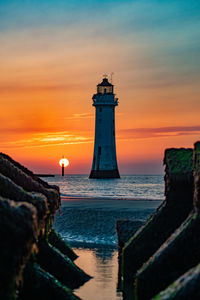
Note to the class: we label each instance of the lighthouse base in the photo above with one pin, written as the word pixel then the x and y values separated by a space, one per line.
pixel 103 174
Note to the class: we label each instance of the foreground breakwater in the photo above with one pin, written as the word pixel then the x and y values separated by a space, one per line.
pixel 161 260
pixel 35 261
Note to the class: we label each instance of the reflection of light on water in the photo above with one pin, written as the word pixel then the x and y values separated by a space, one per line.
pixel 128 187
pixel 102 264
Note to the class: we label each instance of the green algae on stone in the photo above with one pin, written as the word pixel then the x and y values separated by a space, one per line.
pixel 184 288
pixel 179 180
pixel 179 163
pixel 18 234
pixel 58 242
pixel 168 217
pixel 175 257
pixel 60 266
pixel 20 178
pixel 197 176
pixel 10 190
pixel 28 172
pixel 136 250
pixel 126 229
pixel 22 186
pixel 39 284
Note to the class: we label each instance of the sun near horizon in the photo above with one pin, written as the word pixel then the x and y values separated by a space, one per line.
pixel 64 162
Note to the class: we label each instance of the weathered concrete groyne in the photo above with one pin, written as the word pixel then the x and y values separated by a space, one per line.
pixel 168 245
pixel 171 213
pixel 34 260
pixel 56 240
pixel 125 230
pixel 178 254
pixel 184 288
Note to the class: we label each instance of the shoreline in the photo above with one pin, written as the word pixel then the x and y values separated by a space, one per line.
pixel 82 198
pixel 109 204
pixel 91 223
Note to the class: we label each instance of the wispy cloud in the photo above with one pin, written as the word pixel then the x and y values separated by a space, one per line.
pixel 158 132
pixel 85 116
pixel 48 139
pixel 80 116
pixel 28 88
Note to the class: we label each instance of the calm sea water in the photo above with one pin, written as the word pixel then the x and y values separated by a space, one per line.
pixel 88 217
pixel 127 187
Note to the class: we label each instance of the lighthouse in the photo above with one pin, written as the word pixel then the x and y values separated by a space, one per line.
pixel 104 159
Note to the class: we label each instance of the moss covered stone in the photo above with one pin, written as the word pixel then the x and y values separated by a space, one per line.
pixel 171 213
pixel 39 284
pixel 197 176
pixel 10 190
pixel 175 257
pixel 179 180
pixel 60 266
pixel 179 163
pixel 178 254
pixel 184 288
pixel 28 172
pixel 23 221
pixel 58 242
pixel 19 177
pixel 18 234
pixel 126 229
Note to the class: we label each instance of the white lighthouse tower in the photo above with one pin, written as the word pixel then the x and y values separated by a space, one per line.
pixel 104 159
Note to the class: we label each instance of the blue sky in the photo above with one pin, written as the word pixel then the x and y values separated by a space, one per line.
pixel 64 47
pixel 166 31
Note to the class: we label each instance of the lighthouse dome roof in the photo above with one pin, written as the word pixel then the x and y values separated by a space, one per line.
pixel 105 82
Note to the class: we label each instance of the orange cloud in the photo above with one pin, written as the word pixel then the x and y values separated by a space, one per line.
pixel 50 72
pixel 47 139
pixel 141 133
pixel 80 116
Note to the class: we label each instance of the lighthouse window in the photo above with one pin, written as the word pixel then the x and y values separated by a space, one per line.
pixel 100 121
pixel 100 109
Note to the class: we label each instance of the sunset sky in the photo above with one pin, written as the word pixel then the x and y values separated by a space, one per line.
pixel 54 53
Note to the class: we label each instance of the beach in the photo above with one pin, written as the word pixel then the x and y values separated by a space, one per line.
pixel 88 224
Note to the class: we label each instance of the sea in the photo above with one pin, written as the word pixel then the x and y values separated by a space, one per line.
pixel 87 221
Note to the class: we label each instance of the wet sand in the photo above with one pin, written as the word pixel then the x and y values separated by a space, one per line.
pixel 110 203
pixel 102 264
pixel 88 225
